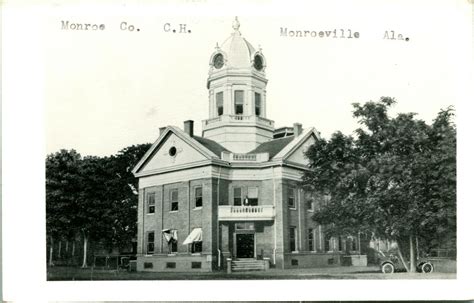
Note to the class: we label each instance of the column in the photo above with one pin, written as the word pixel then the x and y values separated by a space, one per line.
pixel 228 108
pixel 248 101
pixel 264 104
pixel 212 104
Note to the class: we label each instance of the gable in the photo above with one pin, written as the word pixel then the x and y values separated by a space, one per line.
pixel 163 157
pixel 298 155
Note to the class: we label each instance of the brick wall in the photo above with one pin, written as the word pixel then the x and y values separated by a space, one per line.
pixel 264 238
pixel 309 260
pixel 298 217
pixel 178 263
pixel 184 220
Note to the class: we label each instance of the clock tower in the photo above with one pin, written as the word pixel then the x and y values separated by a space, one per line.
pixel 237 95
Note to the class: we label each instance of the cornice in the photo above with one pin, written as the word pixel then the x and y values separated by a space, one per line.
pixel 221 163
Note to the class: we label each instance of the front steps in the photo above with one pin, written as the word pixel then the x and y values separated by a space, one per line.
pixel 247 265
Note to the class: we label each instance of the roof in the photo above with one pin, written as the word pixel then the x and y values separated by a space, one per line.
pixel 206 147
pixel 272 147
pixel 289 148
pixel 213 146
pixel 237 50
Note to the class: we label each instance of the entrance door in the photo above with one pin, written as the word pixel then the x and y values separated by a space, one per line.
pixel 245 245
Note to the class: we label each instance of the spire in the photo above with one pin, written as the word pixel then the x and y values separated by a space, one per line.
pixel 236 24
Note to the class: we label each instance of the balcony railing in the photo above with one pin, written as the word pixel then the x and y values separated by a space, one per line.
pixel 237 213
pixel 238 119
pixel 234 157
pixel 244 157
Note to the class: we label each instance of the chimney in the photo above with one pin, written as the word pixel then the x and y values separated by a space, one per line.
pixel 189 127
pixel 297 129
pixel 162 129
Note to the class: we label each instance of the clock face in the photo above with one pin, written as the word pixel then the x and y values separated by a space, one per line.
pixel 218 61
pixel 258 62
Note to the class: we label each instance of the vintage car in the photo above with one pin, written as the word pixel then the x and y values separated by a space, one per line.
pixel 391 263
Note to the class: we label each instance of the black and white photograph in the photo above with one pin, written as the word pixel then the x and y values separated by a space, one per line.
pixel 279 149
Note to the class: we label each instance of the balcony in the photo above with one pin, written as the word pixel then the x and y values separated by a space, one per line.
pixel 239 213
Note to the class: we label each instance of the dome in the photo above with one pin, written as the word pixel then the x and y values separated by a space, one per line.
pixel 237 52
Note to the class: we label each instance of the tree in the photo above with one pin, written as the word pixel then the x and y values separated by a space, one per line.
pixel 63 186
pixel 395 180
pixel 95 197
pixel 91 214
pixel 123 194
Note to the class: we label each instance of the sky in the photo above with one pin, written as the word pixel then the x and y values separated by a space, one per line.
pixel 105 90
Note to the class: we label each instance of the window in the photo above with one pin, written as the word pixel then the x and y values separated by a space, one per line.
pixel 172 151
pixel 150 247
pixel 309 205
pixel 339 243
pixel 353 241
pixel 174 199
pixel 244 226
pixel 218 61
pixel 173 244
pixel 252 196
pixel 148 265
pixel 198 196
pixel 196 247
pixel 258 62
pixel 194 239
pixel 239 102
pixel 309 201
pixel 293 239
pixel 258 104
pixel 150 198
pixel 220 103
pixel 195 264
pixel 291 198
pixel 171 238
pixel 237 196
pixel 327 243
pixel 311 240
pixel 170 264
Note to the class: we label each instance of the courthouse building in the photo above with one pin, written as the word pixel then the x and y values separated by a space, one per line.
pixel 231 198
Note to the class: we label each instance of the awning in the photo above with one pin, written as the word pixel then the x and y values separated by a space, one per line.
pixel 194 236
pixel 170 234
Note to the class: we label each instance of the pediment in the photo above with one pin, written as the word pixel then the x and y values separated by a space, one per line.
pixel 172 150
pixel 298 155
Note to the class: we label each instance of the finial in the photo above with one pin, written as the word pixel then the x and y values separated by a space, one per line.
pixel 236 24
pixel 217 45
pixel 259 48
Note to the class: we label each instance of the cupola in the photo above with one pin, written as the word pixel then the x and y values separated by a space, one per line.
pixel 237 95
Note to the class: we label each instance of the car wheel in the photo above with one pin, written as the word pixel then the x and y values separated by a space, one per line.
pixel 427 268
pixel 419 266
pixel 388 268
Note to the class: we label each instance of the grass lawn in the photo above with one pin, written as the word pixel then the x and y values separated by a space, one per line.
pixel 61 273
